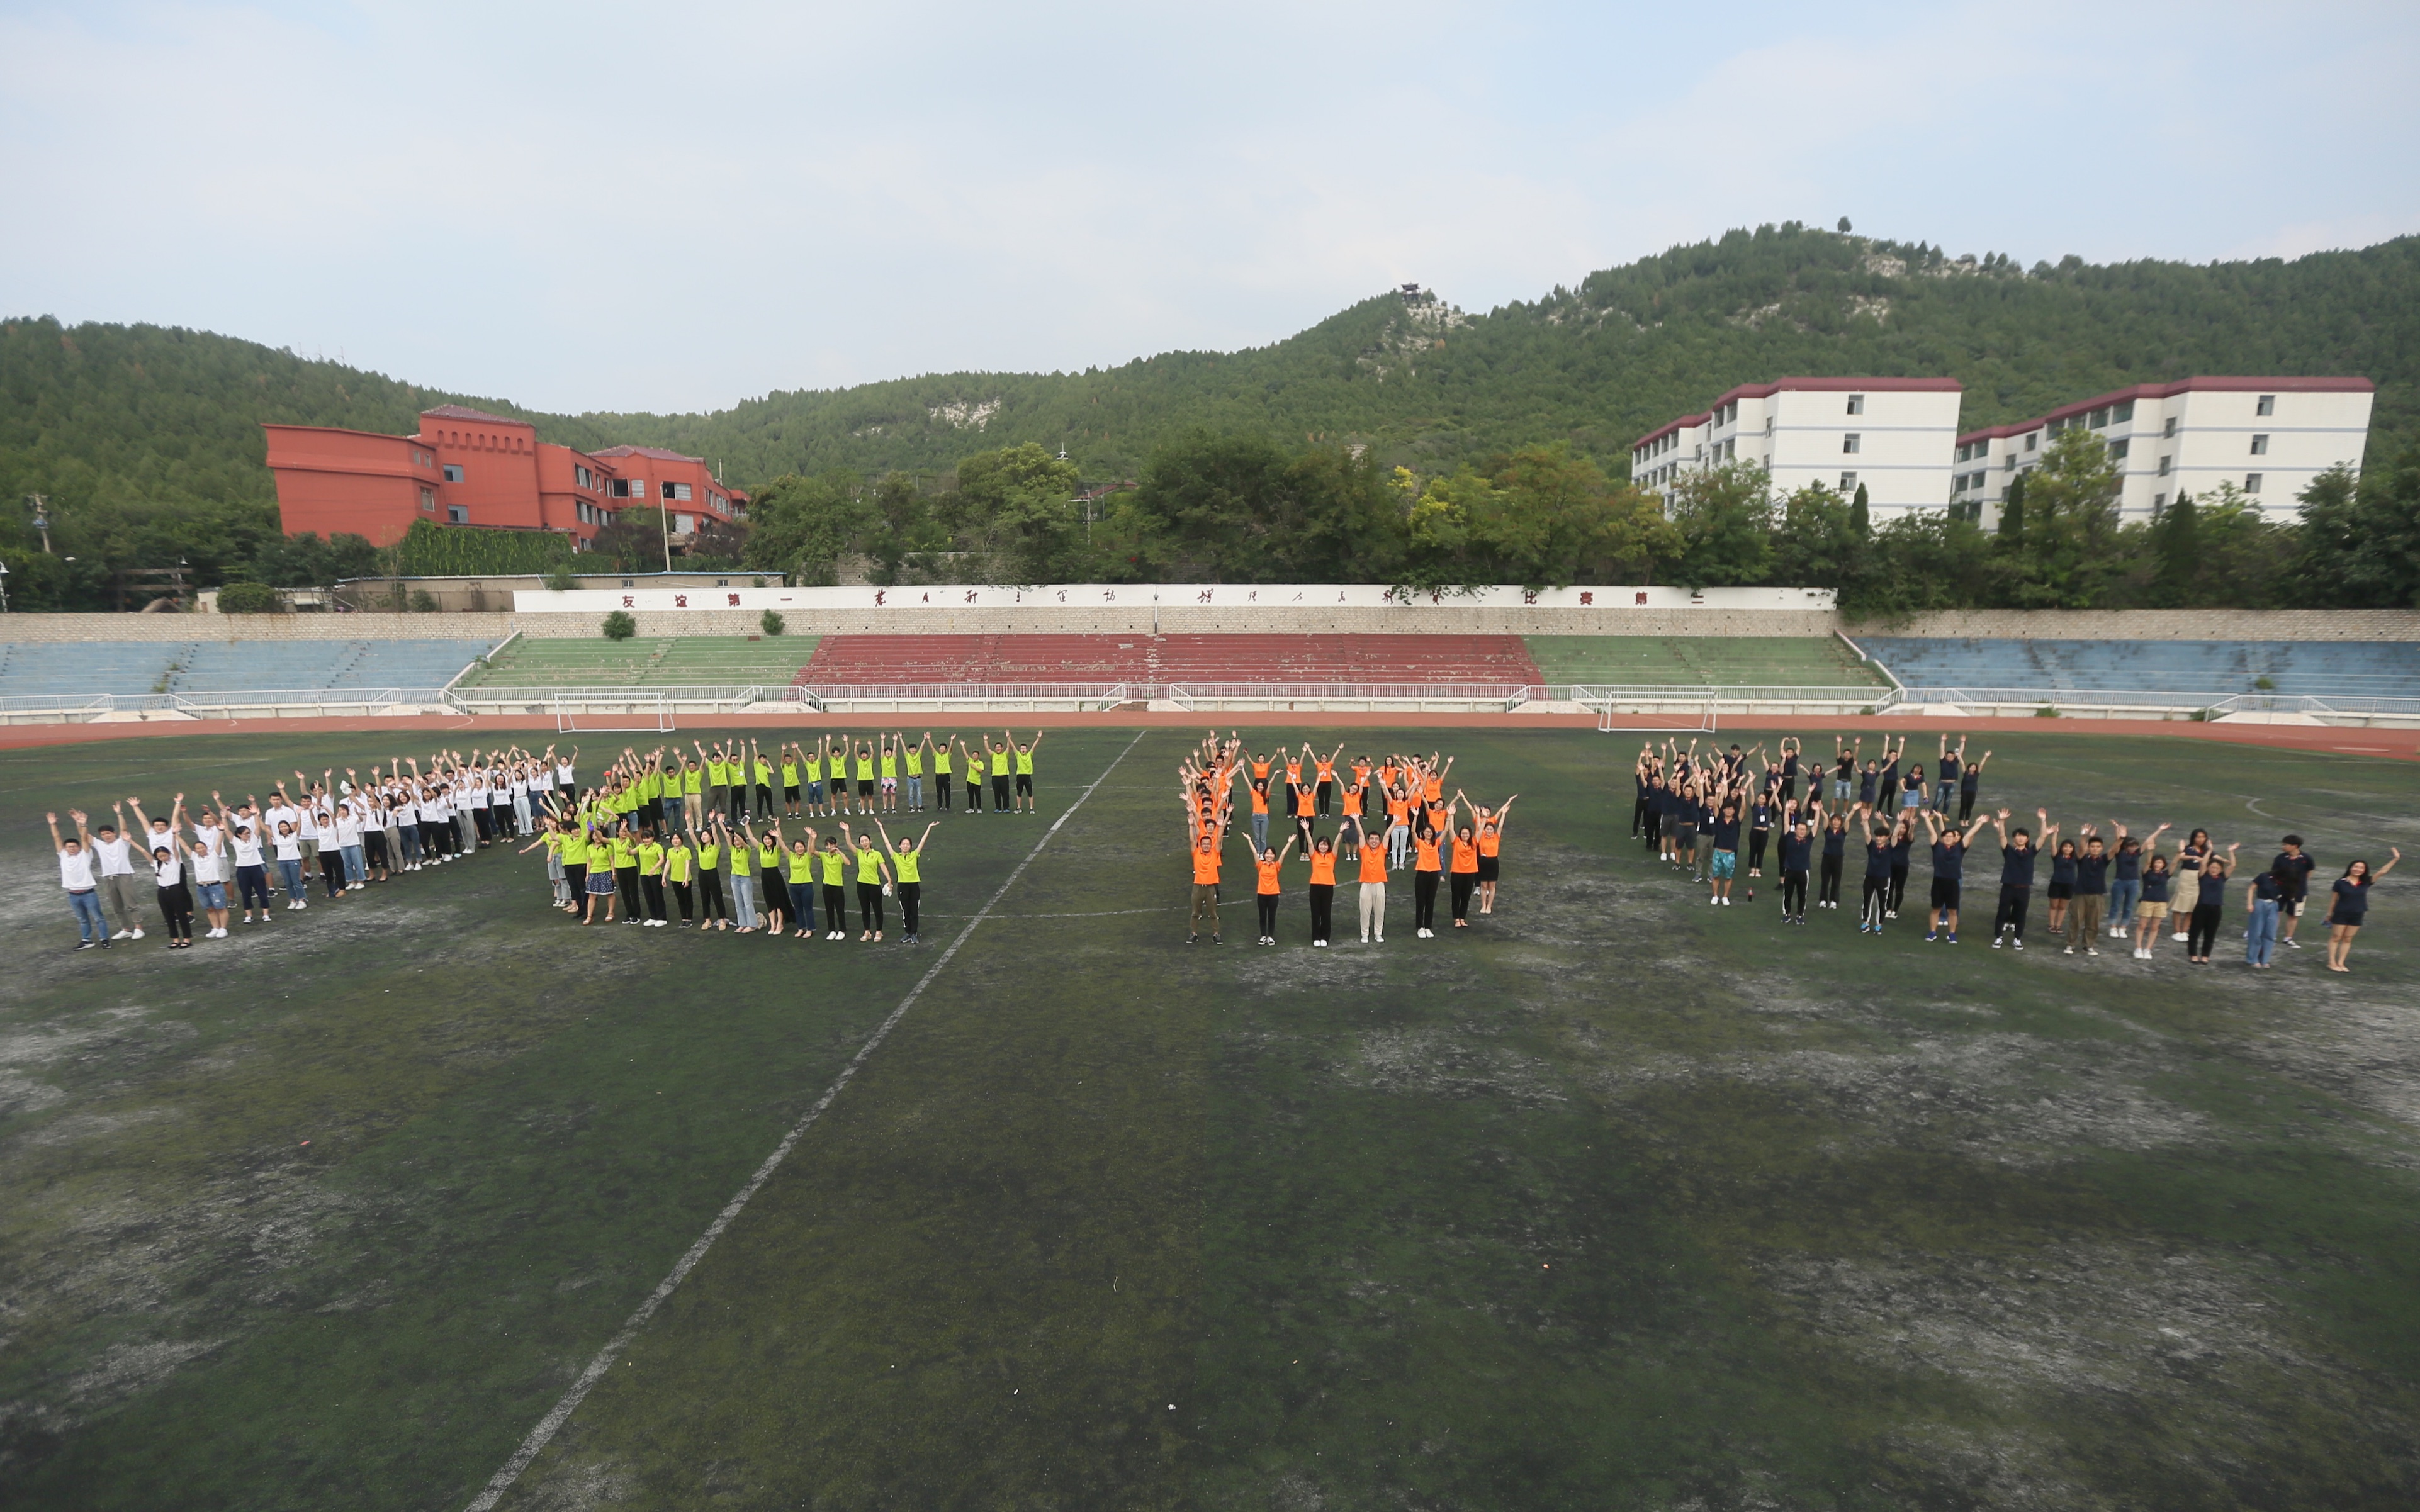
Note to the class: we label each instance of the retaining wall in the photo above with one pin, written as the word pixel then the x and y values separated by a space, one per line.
pixel 2089 625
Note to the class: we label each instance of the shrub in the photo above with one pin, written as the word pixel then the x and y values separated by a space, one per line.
pixel 468 551
pixel 620 626
pixel 771 622
pixel 561 580
pixel 250 599
pixel 423 601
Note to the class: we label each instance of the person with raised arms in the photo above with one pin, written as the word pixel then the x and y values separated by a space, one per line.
pixel 908 863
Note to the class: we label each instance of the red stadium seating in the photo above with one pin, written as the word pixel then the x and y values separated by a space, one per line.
pixel 895 660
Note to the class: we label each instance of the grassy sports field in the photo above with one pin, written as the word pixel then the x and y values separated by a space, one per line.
pixel 1620 1201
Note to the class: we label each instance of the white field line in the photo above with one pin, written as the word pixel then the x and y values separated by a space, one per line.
pixel 552 1422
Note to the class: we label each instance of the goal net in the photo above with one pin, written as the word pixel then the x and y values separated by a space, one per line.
pixel 1696 718
pixel 590 713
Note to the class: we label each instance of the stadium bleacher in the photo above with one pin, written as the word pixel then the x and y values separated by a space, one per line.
pixel 905 661
pixel 689 662
pixel 193 667
pixel 1701 661
pixel 2320 669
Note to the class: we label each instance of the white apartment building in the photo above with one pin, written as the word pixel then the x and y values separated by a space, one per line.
pixel 2270 437
pixel 1894 436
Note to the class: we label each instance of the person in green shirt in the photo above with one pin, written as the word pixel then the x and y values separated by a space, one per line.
pixel 814 763
pixel 651 877
pixel 872 881
pixel 835 882
pixel 940 767
pixel 1024 769
pixel 602 878
pixel 717 781
pixel 763 770
pixel 680 865
pixel 974 760
pixel 625 847
pixel 711 845
pixel 772 895
pixel 692 782
pixel 790 763
pixel 799 873
pixel 743 879
pixel 861 768
pixel 890 767
pixel 907 860
pixel 575 862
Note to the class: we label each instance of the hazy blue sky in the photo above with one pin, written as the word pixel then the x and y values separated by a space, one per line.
pixel 676 206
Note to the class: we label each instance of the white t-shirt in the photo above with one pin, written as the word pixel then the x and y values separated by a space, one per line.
pixel 247 852
pixel 290 847
pixel 281 814
pixel 563 778
pixel 169 871
pixel 75 871
pixel 115 857
pixel 210 856
pixel 348 829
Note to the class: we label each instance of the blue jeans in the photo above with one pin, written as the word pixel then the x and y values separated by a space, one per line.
pixel 1945 795
pixel 2260 932
pixel 355 873
pixel 1260 833
pixel 915 791
pixel 291 873
pixel 803 906
pixel 2124 893
pixel 743 901
pixel 89 924
pixel 1840 790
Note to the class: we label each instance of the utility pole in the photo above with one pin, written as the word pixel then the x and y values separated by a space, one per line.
pixel 40 505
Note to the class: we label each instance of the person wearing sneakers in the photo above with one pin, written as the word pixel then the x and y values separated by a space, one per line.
pixel 76 877
pixel 907 864
pixel 832 867
pixel 1205 882
pixel 2350 906
pixel 1723 863
pixel 2018 852
pixel 1425 871
pixel 119 890
pixel 1948 876
pixel 209 854
pixel 1267 864
pixel 1797 850
pixel 250 869
pixel 1374 894
pixel 2151 908
pixel 2293 868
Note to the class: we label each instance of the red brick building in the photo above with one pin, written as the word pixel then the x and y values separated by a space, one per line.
pixel 466 467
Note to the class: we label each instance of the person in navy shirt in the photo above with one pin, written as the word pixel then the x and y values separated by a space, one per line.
pixel 2293 868
pixel 1948 874
pixel 2351 904
pixel 2017 855
pixel 1797 850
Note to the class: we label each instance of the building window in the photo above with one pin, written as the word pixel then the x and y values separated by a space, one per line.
pixel 2259 446
pixel 1848 483
pixel 2268 404
pixel 453 472
pixel 2118 451
pixel 676 490
pixel 2165 463
pixel 2121 413
pixel 2033 440
pixel 428 500
pixel 2170 428
pixel 1852 442
pixel 621 487
pixel 2252 483
pixel 2159 502
pixel 458 515
pixel 1857 404
pixel 587 478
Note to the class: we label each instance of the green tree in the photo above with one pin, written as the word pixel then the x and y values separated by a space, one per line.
pixel 804 526
pixel 1015 508
pixel 2178 535
pixel 1861 516
pixel 1725 518
pixel 2012 516
pixel 250 599
pixel 619 625
pixel 1816 543
pixel 2361 539
pixel 2071 527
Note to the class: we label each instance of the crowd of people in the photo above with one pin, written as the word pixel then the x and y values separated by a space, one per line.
pixel 720 833
pixel 1693 810
pixel 1376 816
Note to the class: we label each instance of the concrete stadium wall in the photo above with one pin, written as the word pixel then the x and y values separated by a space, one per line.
pixel 2112 624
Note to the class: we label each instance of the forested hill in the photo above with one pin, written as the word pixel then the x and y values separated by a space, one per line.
pixel 131 417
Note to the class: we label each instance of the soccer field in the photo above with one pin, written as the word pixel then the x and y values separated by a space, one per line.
pixel 1615 1201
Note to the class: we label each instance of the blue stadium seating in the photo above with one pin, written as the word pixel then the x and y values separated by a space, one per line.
pixel 2322 669
pixel 130 667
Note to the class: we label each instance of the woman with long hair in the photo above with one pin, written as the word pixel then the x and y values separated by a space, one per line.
pixel 2351 904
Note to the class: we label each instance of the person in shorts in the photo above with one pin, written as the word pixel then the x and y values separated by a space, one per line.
pixel 2293 868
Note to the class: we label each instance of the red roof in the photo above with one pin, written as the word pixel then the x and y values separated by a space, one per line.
pixel 1811 385
pixel 2168 390
pixel 657 453
pixel 456 411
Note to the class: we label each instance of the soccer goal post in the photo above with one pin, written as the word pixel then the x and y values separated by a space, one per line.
pixel 1671 716
pixel 576 713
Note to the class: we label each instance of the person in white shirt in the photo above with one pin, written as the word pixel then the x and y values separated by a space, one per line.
pixel 75 875
pixel 168 856
pixel 210 872
pixel 332 851
pixel 119 891
pixel 287 844
pixel 250 869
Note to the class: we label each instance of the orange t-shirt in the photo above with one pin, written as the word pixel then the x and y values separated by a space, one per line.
pixel 1374 863
pixel 1466 858
pixel 1268 870
pixel 1294 773
pixel 1426 860
pixel 1399 810
pixel 1322 869
pixel 1361 774
pixel 1260 800
pixel 1437 815
pixel 1305 797
pixel 1260 771
pixel 1387 775
pixel 1435 789
pixel 1326 771
pixel 1490 842
pixel 1205 868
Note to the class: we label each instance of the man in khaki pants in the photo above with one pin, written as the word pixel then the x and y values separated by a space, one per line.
pixel 1205 887
pixel 119 891
pixel 2085 915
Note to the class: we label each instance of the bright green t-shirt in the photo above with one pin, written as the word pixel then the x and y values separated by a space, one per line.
pixel 890 766
pixel 975 767
pixel 743 860
pixel 764 773
pixel 869 865
pixel 575 848
pixel 709 856
pixel 802 866
pixel 1025 764
pixel 621 853
pixel 814 768
pixel 864 769
pixel 769 857
pixel 835 867
pixel 677 863
pixel 692 781
pixel 651 859
pixel 941 762
pixel 906 864
pixel 915 761
pixel 789 774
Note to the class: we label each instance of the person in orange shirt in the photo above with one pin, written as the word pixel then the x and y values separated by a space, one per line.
pixel 1323 894
pixel 1348 828
pixel 1374 894
pixel 1303 816
pixel 1265 863
pixel 1399 828
pixel 1425 869
pixel 1433 781
pixel 1464 873
pixel 1325 769
pixel 1491 846
pixel 1261 814
pixel 1206 887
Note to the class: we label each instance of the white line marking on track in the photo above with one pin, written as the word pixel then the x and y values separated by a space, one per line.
pixel 552 1422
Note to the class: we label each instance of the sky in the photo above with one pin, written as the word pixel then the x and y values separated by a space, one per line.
pixel 621 207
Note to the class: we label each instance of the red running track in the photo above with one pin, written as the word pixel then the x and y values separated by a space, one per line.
pixel 872 660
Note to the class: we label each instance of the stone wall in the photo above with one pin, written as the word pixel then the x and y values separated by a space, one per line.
pixel 2113 624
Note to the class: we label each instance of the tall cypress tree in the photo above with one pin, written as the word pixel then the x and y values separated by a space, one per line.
pixel 1860 520
pixel 2179 552
pixel 2012 514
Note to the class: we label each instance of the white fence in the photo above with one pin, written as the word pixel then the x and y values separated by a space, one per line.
pixel 1675 702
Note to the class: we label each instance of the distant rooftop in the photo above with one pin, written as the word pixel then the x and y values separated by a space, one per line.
pixel 656 453
pixel 456 411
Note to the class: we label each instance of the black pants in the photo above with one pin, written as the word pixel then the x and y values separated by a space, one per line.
pixel 1323 910
pixel 1965 805
pixel 1639 810
pixel 2203 932
pixel 374 849
pixel 479 821
pixel 1794 893
pixel 974 795
pixel 835 906
pixel 738 803
pixel 910 895
pixel 686 895
pixel 1869 908
pixel 253 881
pixel 332 868
pixel 1897 888
pixel 2009 918
pixel 1424 886
pixel 627 878
pixel 1756 842
pixel 869 904
pixel 1268 901
pixel 941 787
pixel 432 842
pixel 1829 892
pixel 1323 796
pixel 999 790
pixel 575 877
pixel 710 905
pixel 653 886
pixel 177 910
pixel 1462 882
